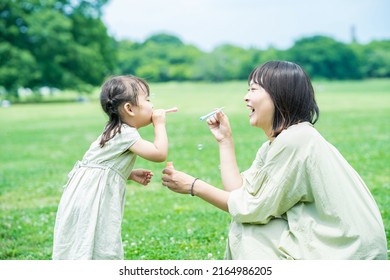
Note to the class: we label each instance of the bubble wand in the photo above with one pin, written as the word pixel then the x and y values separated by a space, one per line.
pixel 171 110
pixel 202 118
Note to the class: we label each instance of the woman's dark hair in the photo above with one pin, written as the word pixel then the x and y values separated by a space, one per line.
pixel 291 91
pixel 116 91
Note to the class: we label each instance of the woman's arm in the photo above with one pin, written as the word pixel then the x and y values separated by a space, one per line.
pixel 230 174
pixel 183 183
pixel 220 128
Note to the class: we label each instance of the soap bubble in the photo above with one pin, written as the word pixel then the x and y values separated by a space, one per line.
pixel 200 147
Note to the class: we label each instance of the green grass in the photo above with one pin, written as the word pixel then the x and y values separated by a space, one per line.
pixel 41 142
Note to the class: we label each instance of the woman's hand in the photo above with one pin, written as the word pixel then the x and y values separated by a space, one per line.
pixel 181 182
pixel 177 181
pixel 141 176
pixel 219 126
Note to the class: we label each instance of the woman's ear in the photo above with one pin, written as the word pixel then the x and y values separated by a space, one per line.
pixel 128 109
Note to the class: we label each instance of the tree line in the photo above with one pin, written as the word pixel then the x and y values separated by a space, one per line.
pixel 64 44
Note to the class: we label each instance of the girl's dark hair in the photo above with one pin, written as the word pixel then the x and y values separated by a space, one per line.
pixel 116 91
pixel 291 91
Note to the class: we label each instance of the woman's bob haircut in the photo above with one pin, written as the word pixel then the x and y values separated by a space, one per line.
pixel 291 91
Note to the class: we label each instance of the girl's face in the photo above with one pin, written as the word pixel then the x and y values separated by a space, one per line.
pixel 261 108
pixel 144 111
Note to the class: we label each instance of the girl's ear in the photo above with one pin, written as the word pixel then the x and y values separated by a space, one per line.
pixel 128 109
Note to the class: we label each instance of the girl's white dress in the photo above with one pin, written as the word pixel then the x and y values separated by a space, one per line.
pixel 89 217
pixel 302 200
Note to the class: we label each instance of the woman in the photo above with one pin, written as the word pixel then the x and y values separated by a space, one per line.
pixel 300 199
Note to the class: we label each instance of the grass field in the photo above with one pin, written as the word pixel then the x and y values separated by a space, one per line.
pixel 41 142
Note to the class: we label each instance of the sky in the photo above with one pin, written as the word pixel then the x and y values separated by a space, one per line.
pixel 248 23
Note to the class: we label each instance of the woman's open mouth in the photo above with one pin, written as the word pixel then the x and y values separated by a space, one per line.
pixel 252 110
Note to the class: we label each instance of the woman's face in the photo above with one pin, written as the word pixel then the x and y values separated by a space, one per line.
pixel 261 108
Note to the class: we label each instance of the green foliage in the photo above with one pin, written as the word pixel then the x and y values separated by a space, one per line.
pixel 377 59
pixel 19 67
pixel 225 62
pixel 323 57
pixel 41 143
pixel 61 44
pixel 163 57
pixel 64 44
pixel 164 39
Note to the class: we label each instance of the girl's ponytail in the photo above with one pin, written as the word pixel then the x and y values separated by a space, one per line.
pixel 113 127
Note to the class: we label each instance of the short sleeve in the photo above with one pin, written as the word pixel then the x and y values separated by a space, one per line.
pixel 274 183
pixel 127 138
pixel 117 145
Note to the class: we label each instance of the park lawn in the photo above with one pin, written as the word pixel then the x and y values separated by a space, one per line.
pixel 41 142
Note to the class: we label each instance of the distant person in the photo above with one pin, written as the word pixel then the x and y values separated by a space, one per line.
pixel 89 217
pixel 300 199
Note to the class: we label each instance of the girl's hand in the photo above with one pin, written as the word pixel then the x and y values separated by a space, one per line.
pixel 158 117
pixel 141 176
pixel 219 126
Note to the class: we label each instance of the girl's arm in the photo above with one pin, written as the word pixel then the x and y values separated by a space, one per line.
pixel 183 183
pixel 158 150
pixel 220 127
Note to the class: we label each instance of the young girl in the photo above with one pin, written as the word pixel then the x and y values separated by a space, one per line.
pixel 89 217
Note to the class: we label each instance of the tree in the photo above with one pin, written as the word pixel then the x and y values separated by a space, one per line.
pixel 62 43
pixel 375 59
pixel 323 57
pixel 161 57
pixel 164 39
pixel 18 67
pixel 226 62
pixel 128 58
